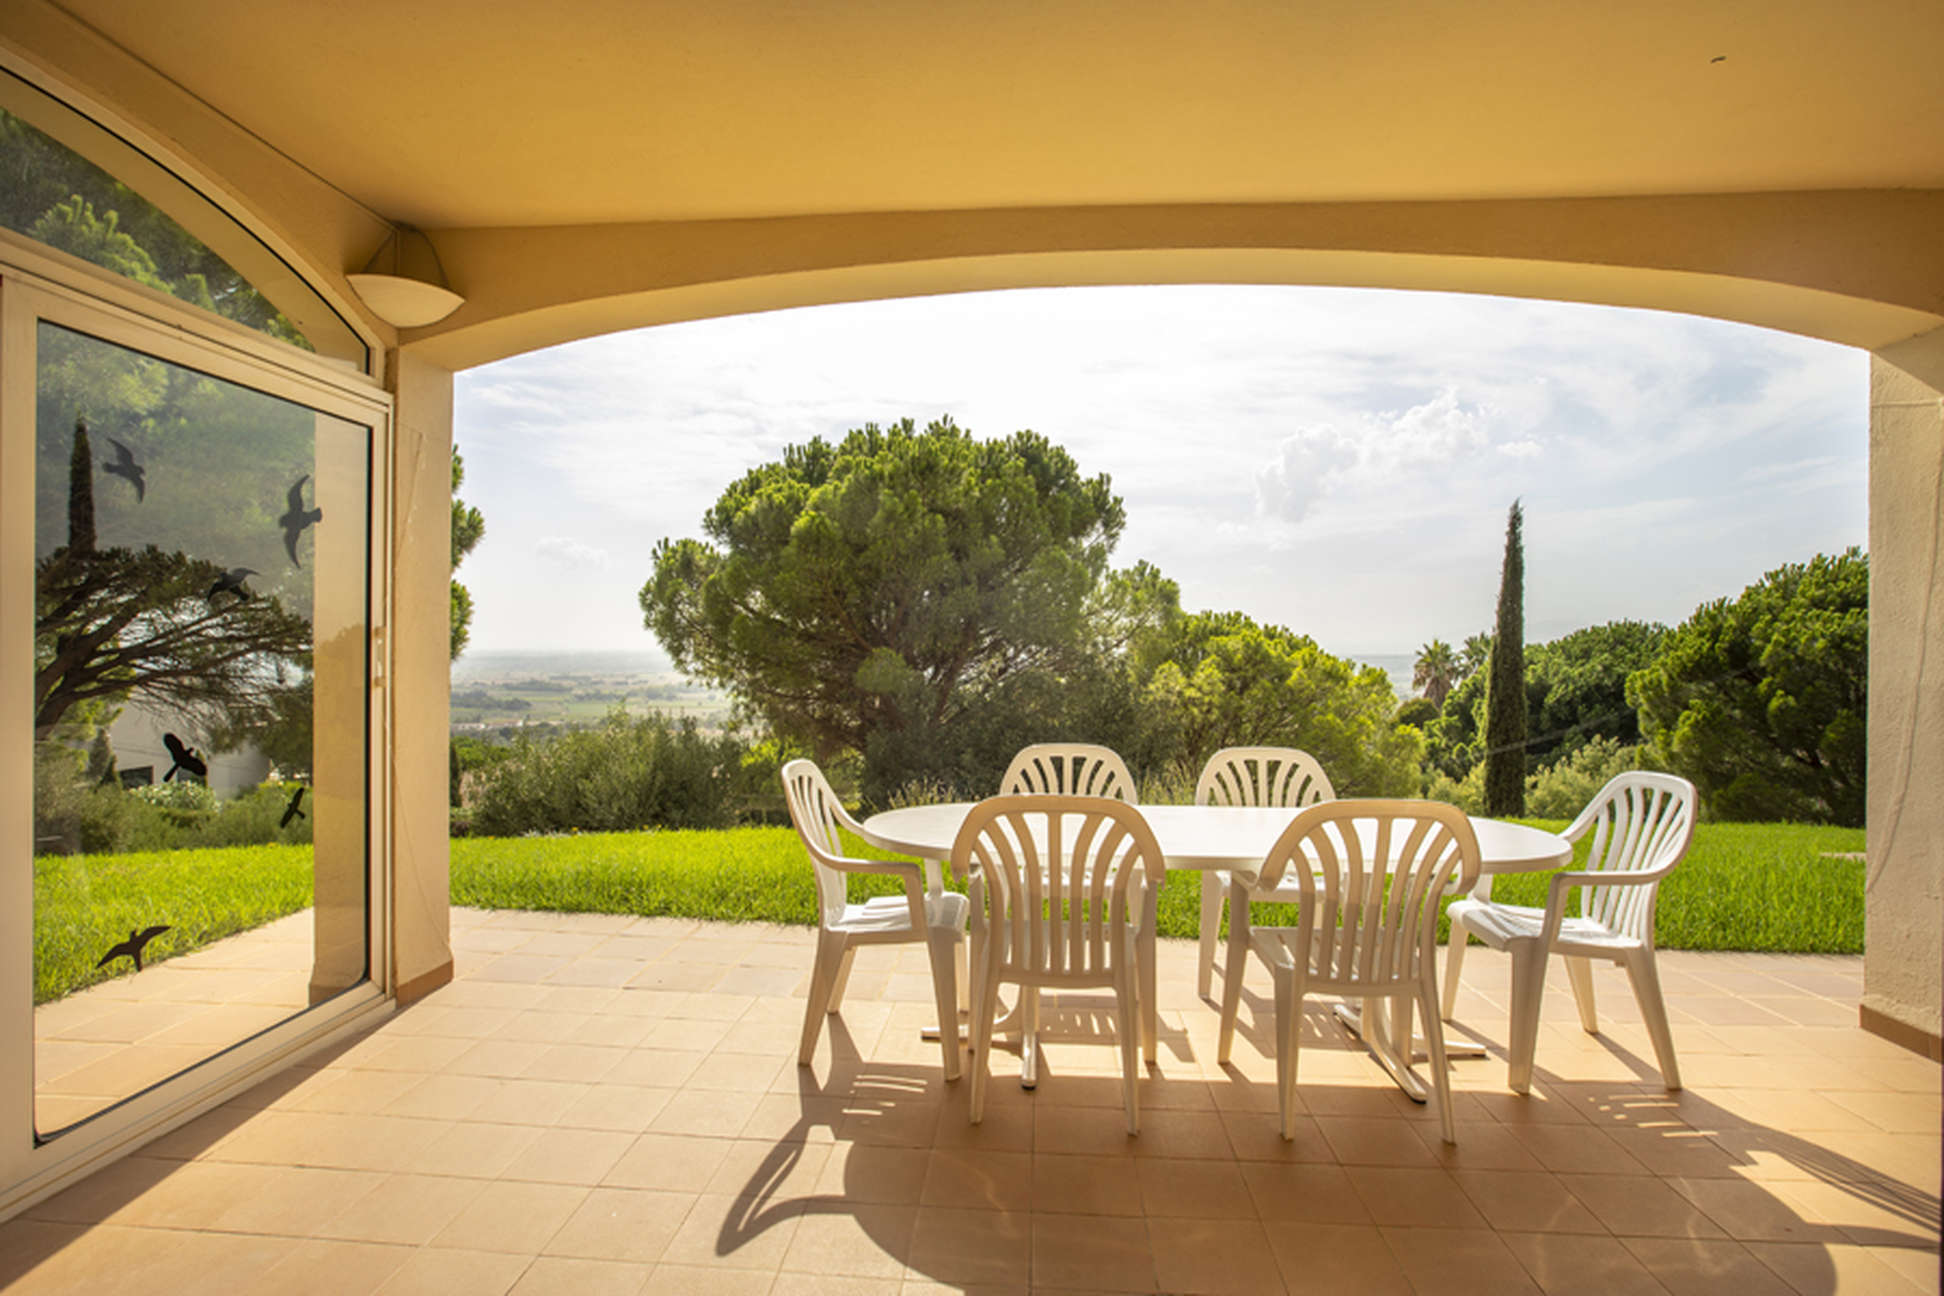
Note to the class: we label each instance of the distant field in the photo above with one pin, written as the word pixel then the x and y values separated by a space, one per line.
pixel 496 690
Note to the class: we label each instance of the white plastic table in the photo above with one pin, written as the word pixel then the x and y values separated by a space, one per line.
pixel 1238 838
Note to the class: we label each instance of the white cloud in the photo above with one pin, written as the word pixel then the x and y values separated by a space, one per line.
pixel 565 551
pixel 1333 459
pixel 1379 451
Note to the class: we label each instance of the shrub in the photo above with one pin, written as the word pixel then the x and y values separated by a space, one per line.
pixel 626 774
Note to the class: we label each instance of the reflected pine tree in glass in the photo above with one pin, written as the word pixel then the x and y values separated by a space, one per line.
pixel 200 603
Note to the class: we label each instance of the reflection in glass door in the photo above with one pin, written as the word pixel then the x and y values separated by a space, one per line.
pixel 200 720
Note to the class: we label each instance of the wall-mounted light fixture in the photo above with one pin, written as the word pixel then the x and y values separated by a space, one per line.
pixel 411 290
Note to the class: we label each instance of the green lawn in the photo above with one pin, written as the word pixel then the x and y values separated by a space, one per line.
pixel 1742 887
pixel 83 904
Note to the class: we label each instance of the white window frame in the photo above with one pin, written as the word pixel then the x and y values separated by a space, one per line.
pixel 36 286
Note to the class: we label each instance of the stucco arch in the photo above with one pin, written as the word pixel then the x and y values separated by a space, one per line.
pixel 1833 266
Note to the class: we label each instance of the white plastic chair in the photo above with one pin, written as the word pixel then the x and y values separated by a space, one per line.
pixel 1063 896
pixel 1641 825
pixel 925 912
pixel 1368 876
pixel 1068 769
pixel 1248 776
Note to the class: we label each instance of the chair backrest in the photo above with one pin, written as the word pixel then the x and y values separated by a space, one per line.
pixel 1068 769
pixel 1262 776
pixel 817 814
pixel 1641 822
pixel 1060 878
pixel 1371 874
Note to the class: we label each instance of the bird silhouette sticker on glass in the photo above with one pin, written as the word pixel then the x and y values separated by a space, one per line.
pixel 123 465
pixel 185 758
pixel 291 811
pixel 231 582
pixel 297 519
pixel 137 941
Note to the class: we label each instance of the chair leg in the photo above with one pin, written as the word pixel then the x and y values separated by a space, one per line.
pixel 943 946
pixel 831 949
pixel 1211 925
pixel 1434 1045
pixel 842 979
pixel 1232 971
pixel 1454 963
pixel 1128 1024
pixel 1148 999
pixel 1653 1011
pixel 985 1005
pixel 1403 1030
pixel 961 958
pixel 1289 1034
pixel 1528 986
pixel 1579 971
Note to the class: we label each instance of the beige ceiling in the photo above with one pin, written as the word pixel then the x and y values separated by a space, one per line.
pixel 476 113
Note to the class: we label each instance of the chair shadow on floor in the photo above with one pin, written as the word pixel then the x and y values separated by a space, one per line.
pixel 1666 1129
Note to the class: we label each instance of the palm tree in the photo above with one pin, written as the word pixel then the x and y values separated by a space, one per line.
pixel 1437 671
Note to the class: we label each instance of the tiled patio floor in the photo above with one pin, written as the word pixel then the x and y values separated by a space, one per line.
pixel 611 1105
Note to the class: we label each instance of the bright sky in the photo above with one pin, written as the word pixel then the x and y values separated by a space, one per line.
pixel 1339 461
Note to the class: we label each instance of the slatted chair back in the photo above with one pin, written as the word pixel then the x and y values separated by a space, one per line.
pixel 1370 874
pixel 817 814
pixel 1641 822
pixel 1262 776
pixel 1061 880
pixel 1068 769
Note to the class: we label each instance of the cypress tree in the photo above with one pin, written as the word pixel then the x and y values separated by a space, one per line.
pixel 81 523
pixel 1505 696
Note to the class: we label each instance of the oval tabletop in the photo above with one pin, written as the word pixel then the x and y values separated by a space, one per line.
pixel 1210 837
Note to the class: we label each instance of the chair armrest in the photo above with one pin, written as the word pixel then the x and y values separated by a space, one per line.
pixel 908 871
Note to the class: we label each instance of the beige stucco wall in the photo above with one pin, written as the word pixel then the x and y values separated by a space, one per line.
pixel 418 697
pixel 1904 900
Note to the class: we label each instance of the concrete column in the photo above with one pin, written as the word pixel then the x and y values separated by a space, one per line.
pixel 419 695
pixel 1903 995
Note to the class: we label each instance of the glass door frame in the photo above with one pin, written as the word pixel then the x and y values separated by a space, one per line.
pixel 34 288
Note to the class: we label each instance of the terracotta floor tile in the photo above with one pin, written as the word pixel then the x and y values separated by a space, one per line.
pixel 673 1162
pixel 1528 1201
pixel 1333 1259
pixel 1750 1211
pixel 703 1280
pixel 1640 1206
pixel 978 1180
pixel 1085 1185
pixel 1577 1265
pixel 456 1273
pixel 1458 1261
pixel 1705 1267
pixel 734 1232
pixel 661 1137
pixel 326 1268
pixel 857 1241
pixel 406 1209
pixel 1311 1194
pixel 634 1224
pixel 970 1246
pixel 1811 1268
pixel 517 1217
pixel 1414 1198
pixel 1198 1189
pixel 1213 1256
pixel 570 1156
pixel 1093 1252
